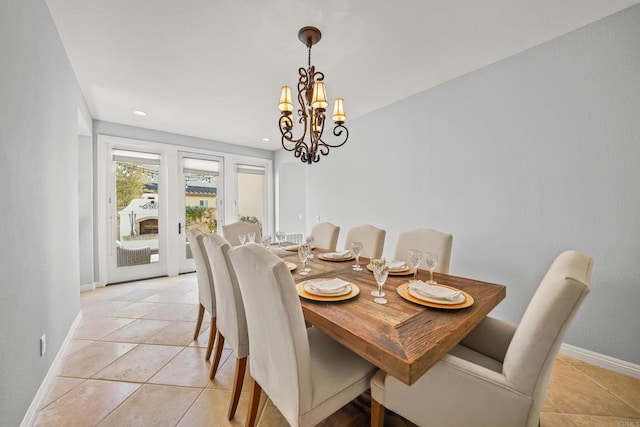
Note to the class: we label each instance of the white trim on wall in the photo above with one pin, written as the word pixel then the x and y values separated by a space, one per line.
pixel 601 360
pixel 88 287
pixel 43 390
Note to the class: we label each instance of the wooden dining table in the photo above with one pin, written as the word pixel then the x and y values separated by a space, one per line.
pixel 402 338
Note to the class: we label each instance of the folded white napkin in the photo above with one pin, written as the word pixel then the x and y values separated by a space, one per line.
pixel 433 291
pixel 327 286
pixel 338 254
pixel 397 265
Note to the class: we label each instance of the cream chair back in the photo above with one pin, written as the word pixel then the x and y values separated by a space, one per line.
pixel 529 358
pixel 428 240
pixel 233 230
pixel 280 357
pixel 206 294
pixel 371 237
pixel 232 322
pixel 325 235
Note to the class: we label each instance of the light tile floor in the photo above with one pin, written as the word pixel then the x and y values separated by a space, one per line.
pixel 133 362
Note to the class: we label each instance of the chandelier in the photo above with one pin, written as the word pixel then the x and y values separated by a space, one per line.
pixel 312 98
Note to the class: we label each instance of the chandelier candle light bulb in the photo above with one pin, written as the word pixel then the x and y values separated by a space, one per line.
pixel 339 116
pixel 319 99
pixel 285 104
pixel 312 98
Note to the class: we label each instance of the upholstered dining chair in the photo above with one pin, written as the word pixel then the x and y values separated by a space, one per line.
pixel 325 235
pixel 499 374
pixel 232 323
pixel 307 375
pixel 206 295
pixel 371 237
pixel 235 229
pixel 428 240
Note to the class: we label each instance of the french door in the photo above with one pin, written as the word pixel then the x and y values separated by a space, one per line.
pixel 137 244
pixel 201 200
pixel 150 193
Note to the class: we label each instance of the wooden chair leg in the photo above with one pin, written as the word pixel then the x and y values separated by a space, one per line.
pixel 377 414
pixel 212 337
pixel 241 367
pixel 199 322
pixel 217 356
pixel 254 402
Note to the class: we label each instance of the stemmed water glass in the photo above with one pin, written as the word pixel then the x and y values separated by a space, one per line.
pixel 251 236
pixel 242 238
pixel 266 241
pixel 356 248
pixel 303 253
pixel 415 258
pixel 280 237
pixel 310 240
pixel 380 273
pixel 431 259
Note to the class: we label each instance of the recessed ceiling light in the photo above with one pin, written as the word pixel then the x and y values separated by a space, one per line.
pixel 139 113
pixel 266 139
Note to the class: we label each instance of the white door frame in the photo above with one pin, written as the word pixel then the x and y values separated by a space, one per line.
pixel 109 272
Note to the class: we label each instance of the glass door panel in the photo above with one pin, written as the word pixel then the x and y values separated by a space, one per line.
pixel 135 221
pixel 202 181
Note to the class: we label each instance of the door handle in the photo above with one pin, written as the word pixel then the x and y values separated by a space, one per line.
pixel 179 228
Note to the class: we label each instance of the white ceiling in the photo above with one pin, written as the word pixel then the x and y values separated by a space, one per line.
pixel 213 69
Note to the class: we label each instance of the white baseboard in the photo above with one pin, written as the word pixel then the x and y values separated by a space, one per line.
pixel 601 360
pixel 87 287
pixel 30 416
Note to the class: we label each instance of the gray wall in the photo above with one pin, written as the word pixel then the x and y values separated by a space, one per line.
pixel 291 185
pixel 39 267
pixel 520 160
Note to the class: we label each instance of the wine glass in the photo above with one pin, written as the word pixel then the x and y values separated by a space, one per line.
pixel 356 248
pixel 310 240
pixel 431 259
pixel 380 273
pixel 415 258
pixel 280 237
pixel 266 241
pixel 243 238
pixel 303 253
pixel 251 236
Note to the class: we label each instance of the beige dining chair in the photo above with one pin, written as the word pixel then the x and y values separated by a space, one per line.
pixel 429 241
pixel 499 374
pixel 235 229
pixel 206 295
pixel 371 237
pixel 307 375
pixel 232 323
pixel 325 235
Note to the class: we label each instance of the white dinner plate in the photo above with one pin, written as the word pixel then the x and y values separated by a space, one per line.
pixel 291 266
pixel 416 294
pixel 339 292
